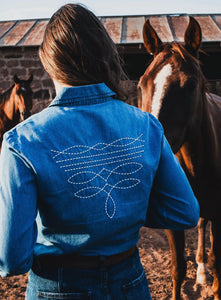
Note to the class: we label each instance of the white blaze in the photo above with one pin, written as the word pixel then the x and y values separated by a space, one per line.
pixel 160 84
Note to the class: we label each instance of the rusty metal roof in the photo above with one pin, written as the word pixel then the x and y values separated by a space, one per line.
pixel 122 29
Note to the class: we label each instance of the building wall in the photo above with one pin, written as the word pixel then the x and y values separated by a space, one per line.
pixel 24 61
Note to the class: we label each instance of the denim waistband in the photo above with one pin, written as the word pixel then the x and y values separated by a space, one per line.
pixel 74 260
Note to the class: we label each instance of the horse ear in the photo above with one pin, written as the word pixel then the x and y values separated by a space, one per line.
pixel 193 36
pixel 151 40
pixel 16 79
pixel 30 78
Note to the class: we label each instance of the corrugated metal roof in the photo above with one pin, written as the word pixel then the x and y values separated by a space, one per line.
pixel 122 29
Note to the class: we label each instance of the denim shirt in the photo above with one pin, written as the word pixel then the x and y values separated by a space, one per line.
pixel 84 175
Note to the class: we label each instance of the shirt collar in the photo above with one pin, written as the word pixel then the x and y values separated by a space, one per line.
pixel 83 95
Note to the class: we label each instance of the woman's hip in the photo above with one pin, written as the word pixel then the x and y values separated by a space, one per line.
pixel 125 280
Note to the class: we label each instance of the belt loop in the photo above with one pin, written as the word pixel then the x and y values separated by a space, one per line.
pixel 102 262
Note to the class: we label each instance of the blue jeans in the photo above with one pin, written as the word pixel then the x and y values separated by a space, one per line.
pixel 126 280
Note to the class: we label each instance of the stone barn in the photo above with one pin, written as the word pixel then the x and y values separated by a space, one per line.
pixel 20 40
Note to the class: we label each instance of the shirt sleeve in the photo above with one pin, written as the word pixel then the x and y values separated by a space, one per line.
pixel 18 200
pixel 172 204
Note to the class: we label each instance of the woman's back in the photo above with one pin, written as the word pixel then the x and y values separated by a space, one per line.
pixel 94 161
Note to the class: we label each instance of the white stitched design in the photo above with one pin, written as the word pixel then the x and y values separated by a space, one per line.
pixel 103 169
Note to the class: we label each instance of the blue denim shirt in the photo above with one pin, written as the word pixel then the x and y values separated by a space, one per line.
pixel 84 175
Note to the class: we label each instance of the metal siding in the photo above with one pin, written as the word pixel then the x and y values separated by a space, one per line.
pixel 5 26
pixel 35 37
pixel 161 26
pixel 178 25
pixel 114 28
pixel 132 30
pixel 122 29
pixel 217 18
pixel 17 33
pixel 210 31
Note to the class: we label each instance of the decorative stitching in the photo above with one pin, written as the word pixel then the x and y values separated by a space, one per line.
pixel 98 165
pixel 133 140
pixel 85 167
pixel 102 159
pixel 98 174
pixel 94 155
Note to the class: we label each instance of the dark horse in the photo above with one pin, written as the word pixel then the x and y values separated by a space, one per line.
pixel 173 89
pixel 15 104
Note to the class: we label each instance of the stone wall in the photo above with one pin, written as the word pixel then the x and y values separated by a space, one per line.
pixel 23 62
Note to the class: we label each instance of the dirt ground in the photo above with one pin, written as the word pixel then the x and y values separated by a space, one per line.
pixel 155 256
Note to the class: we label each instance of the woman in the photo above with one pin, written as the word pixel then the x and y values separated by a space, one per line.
pixel 79 179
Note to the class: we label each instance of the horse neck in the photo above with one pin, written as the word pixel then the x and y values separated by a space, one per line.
pixel 4 124
pixel 202 144
pixel 8 116
pixel 192 153
pixel 9 106
pixel 211 127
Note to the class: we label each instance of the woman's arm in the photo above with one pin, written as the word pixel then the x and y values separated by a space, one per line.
pixel 18 200
pixel 172 204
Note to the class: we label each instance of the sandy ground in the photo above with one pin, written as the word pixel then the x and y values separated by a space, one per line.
pixel 155 256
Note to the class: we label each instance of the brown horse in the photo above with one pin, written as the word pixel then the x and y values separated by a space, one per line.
pixel 173 89
pixel 15 104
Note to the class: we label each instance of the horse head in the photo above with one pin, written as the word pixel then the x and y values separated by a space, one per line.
pixel 171 87
pixel 23 96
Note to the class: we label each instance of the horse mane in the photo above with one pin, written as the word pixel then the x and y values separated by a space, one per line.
pixel 4 97
pixel 178 48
